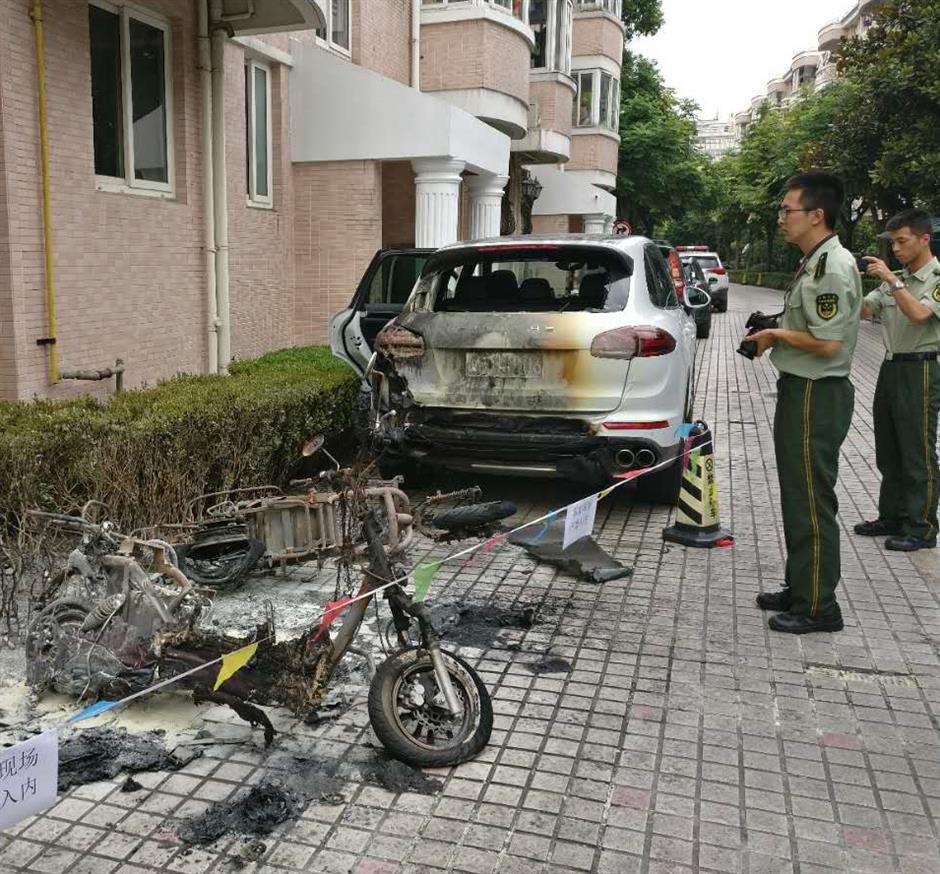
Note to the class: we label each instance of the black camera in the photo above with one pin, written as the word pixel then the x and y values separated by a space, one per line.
pixel 756 322
pixel 862 263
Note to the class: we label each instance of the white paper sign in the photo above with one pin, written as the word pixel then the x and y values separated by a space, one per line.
pixel 29 778
pixel 579 520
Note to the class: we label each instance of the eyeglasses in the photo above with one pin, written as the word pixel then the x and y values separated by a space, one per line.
pixel 784 211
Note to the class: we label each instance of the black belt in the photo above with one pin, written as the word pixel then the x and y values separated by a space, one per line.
pixel 911 356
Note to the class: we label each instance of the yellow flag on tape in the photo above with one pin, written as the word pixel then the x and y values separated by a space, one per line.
pixel 233 662
pixel 423 574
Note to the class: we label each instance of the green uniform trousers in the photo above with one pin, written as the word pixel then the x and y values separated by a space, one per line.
pixel 810 423
pixel 907 399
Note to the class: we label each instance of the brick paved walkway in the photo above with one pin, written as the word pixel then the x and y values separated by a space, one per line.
pixel 686 737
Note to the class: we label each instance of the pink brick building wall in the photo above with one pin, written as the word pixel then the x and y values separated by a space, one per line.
pixel 337 230
pixel 398 204
pixel 555 103
pixel 597 35
pixel 261 260
pixel 474 54
pixel 129 267
pixel 381 38
pixel 594 152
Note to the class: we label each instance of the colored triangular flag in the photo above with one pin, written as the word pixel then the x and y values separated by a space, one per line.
pixel 423 575
pixel 233 662
pixel 95 710
pixel 330 612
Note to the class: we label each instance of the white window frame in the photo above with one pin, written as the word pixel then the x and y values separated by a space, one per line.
pixel 614 7
pixel 254 198
pixel 551 34
pixel 129 183
pixel 504 5
pixel 328 41
pixel 613 108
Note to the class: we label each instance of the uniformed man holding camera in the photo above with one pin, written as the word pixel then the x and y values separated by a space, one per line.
pixel 907 396
pixel 812 349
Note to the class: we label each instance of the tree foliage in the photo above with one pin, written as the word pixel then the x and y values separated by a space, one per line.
pixel 659 167
pixel 642 17
pixel 877 127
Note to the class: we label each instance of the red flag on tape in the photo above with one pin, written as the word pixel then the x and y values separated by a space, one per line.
pixel 330 612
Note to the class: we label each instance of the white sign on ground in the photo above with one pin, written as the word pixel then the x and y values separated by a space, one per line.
pixel 579 520
pixel 29 778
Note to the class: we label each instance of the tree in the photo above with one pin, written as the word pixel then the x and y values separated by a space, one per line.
pixel 894 72
pixel 659 170
pixel 642 17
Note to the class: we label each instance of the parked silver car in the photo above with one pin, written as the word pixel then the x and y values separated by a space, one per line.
pixel 542 356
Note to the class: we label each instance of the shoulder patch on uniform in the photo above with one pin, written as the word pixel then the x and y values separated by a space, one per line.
pixel 936 294
pixel 821 266
pixel 827 306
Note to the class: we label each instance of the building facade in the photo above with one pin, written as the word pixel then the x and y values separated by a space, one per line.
pixel 208 180
pixel 814 68
pixel 714 137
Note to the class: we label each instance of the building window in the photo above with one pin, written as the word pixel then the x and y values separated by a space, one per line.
pixel 597 103
pixel 614 7
pixel 336 33
pixel 517 8
pixel 130 97
pixel 550 21
pixel 258 132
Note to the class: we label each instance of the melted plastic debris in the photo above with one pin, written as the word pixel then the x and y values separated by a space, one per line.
pixel 289 786
pixel 103 753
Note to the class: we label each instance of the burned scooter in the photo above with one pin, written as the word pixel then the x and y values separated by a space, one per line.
pixel 127 617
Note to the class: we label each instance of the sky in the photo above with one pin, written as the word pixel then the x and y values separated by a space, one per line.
pixel 722 53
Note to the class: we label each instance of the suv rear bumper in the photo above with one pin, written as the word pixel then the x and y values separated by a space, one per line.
pixel 523 446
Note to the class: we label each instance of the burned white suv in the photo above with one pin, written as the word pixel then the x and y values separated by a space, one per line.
pixel 539 356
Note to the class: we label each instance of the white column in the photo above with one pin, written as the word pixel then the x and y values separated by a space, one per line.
pixel 437 196
pixel 595 223
pixel 486 204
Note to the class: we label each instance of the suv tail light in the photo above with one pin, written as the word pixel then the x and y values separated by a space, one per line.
pixel 718 271
pixel 399 343
pixel 639 341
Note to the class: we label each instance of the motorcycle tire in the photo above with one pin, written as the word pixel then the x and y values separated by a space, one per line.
pixel 60 619
pixel 425 735
pixel 473 515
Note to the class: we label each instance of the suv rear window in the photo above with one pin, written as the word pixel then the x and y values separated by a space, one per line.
pixel 536 279
pixel 706 262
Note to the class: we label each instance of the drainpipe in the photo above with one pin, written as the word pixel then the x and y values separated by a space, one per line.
pixel 50 339
pixel 219 36
pixel 205 85
pixel 416 44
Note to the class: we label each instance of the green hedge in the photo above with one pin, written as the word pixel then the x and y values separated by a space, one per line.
pixel 780 281
pixel 146 452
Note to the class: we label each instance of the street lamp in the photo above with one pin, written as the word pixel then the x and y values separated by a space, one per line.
pixel 531 189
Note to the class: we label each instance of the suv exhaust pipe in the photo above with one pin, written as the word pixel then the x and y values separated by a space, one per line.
pixel 645 458
pixel 625 459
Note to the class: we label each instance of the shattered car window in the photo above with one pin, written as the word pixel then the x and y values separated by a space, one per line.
pixel 543 279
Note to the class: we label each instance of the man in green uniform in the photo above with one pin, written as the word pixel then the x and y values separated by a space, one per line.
pixel 812 349
pixel 907 396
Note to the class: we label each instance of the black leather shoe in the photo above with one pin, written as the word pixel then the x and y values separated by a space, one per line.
pixel 877 528
pixel 774 600
pixel 909 544
pixel 791 623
